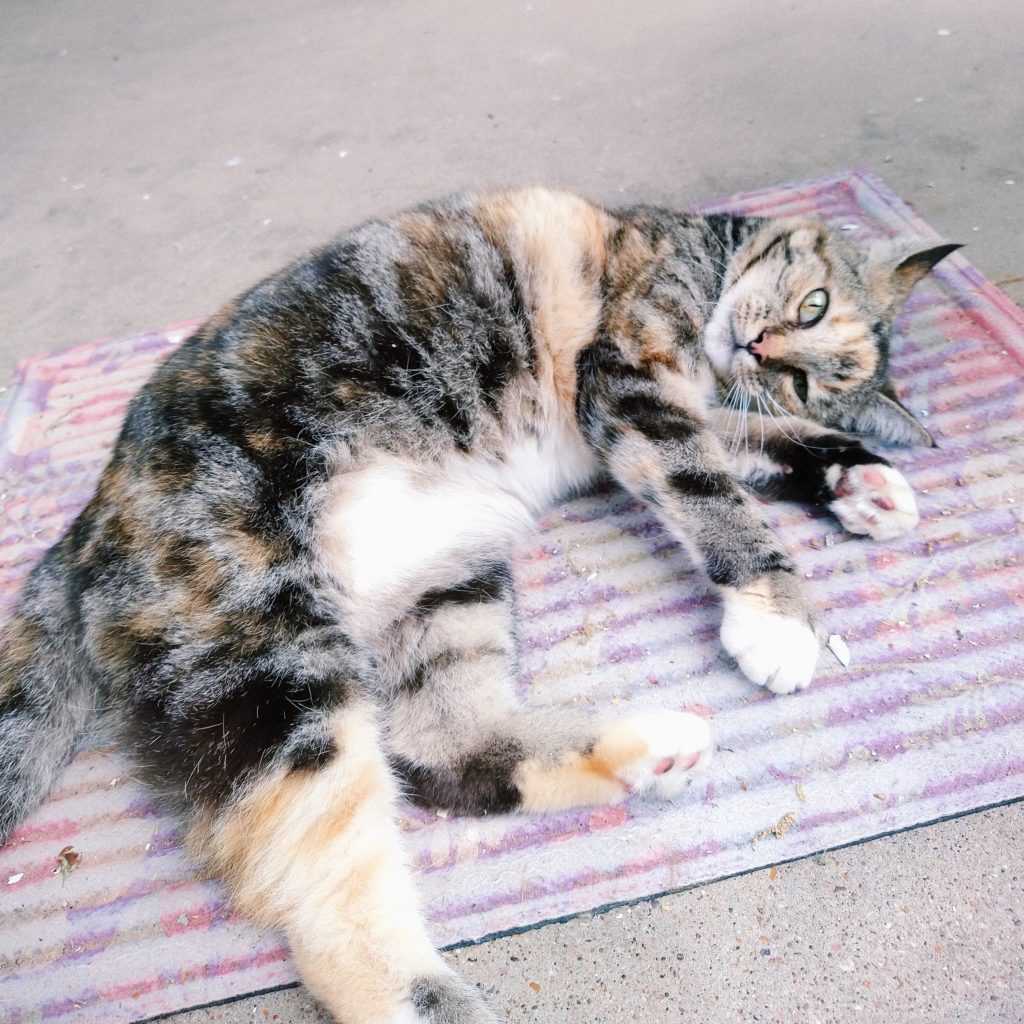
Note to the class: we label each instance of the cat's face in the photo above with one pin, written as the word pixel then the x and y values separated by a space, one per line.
pixel 802 328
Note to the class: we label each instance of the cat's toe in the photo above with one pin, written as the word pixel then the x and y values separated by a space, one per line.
pixel 872 499
pixel 671 744
pixel 772 650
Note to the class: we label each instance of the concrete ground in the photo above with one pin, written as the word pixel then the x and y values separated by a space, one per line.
pixel 157 158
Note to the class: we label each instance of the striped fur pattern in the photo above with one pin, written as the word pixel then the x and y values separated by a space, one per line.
pixel 291 587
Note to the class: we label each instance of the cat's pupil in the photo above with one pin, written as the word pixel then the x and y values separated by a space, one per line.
pixel 800 384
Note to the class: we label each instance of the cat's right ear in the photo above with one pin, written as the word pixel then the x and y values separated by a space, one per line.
pixel 893 268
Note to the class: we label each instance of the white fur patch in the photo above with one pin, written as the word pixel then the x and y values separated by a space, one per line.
pixel 395 525
pixel 863 494
pixel 756 467
pixel 677 742
pixel 771 650
pixel 718 340
pixel 721 341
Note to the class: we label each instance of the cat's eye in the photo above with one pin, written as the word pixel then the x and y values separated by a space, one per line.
pixel 813 307
pixel 800 385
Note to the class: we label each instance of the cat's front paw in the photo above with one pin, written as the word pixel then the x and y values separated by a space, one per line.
pixel 774 647
pixel 872 499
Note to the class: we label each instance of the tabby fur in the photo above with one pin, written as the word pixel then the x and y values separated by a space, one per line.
pixel 292 584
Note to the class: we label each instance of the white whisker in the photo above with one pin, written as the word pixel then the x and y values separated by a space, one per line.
pixel 778 422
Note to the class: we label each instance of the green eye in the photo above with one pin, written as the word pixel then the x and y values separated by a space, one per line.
pixel 813 308
pixel 800 385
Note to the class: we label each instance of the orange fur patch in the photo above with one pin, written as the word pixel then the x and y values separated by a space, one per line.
pixel 319 854
pixel 559 245
pixel 21 641
pixel 581 780
pixel 285 825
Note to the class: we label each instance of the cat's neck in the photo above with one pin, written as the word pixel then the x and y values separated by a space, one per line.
pixel 672 265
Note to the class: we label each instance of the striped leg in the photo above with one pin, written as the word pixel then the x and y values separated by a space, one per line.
pixel 459 740
pixel 648 425
pixel 316 852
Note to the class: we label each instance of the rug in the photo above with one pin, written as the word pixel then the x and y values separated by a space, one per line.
pixel 924 722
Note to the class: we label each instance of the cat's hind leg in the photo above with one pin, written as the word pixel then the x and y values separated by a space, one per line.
pixel 460 740
pixel 316 851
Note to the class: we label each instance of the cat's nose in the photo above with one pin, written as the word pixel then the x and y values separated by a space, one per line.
pixel 755 348
pixel 766 346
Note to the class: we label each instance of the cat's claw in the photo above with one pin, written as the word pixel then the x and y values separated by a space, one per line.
pixel 872 499
pixel 674 742
pixel 772 650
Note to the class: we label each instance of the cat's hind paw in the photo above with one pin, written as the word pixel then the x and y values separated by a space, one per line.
pixel 666 746
pixel 445 999
pixel 872 499
pixel 648 754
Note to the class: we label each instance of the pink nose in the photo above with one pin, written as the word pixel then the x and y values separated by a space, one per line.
pixel 766 346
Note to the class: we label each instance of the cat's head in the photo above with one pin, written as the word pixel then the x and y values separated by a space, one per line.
pixel 803 324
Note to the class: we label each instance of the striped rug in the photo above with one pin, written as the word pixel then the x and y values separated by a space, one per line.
pixel 924 722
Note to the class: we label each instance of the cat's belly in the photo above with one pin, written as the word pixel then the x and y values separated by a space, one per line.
pixel 395 527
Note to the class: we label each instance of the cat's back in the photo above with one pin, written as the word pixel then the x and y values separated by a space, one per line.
pixel 439 308
pixel 446 334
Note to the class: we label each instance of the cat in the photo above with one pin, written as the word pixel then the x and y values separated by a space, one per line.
pixel 292 583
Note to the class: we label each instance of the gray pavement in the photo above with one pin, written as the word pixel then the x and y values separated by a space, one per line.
pixel 157 158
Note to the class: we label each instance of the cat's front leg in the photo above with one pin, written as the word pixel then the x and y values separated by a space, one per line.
pixel 768 625
pixel 664 453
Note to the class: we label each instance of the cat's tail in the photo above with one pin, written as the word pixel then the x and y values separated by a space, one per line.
pixel 47 695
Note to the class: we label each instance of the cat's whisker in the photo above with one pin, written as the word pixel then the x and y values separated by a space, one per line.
pixel 740 422
pixel 760 423
pixel 779 426
pixel 725 403
pixel 746 425
pixel 733 421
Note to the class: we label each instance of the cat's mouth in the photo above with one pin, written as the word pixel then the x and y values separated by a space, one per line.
pixel 752 387
pixel 747 373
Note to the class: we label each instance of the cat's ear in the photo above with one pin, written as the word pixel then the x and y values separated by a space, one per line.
pixel 893 269
pixel 884 416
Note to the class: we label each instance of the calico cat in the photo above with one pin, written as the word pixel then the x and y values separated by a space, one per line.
pixel 292 584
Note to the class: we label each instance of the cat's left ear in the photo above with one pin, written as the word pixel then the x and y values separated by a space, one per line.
pixel 893 269
pixel 885 417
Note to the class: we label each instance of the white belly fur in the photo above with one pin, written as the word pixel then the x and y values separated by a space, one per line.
pixel 395 527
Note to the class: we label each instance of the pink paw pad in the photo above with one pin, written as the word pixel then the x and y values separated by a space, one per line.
pixel 673 742
pixel 872 499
